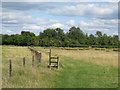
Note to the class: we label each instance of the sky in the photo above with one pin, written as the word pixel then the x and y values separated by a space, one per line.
pixel 38 16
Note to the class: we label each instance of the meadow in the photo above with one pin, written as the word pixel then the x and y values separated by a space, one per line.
pixel 78 68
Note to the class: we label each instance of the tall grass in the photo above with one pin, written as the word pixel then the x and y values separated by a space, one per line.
pixel 80 69
pixel 38 76
pixel 92 56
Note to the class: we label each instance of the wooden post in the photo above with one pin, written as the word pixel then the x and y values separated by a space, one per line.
pixel 40 55
pixel 50 57
pixel 37 56
pixel 58 63
pixel 50 53
pixel 32 60
pixel 10 68
pixel 24 61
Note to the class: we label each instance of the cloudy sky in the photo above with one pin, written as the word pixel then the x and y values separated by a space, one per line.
pixel 38 16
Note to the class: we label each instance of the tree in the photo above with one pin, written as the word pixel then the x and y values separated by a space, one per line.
pixel 98 33
pixel 56 37
pixel 92 40
pixel 115 40
pixel 27 38
pixel 99 37
pixel 76 34
pixel 60 34
pixel 47 37
pixel 105 40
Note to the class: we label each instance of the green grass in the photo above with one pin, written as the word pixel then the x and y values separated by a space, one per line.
pixel 75 73
pixel 80 74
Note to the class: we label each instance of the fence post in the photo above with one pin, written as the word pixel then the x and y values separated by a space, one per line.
pixel 33 60
pixel 10 68
pixel 40 55
pixel 50 53
pixel 24 61
pixel 50 57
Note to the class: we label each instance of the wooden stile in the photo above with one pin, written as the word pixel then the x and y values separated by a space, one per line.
pixel 53 62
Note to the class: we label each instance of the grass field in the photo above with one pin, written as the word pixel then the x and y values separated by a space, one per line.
pixel 78 69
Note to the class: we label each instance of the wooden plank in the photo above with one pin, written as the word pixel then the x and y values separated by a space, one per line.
pixel 53 57
pixel 52 66
pixel 53 62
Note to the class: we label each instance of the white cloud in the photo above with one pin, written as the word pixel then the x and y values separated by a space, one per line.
pixel 101 17
pixel 61 1
pixel 11 21
pixel 33 27
pixel 7 31
pixel 21 17
pixel 115 33
pixel 99 10
pixel 105 26
pixel 19 21
pixel 100 23
pixel 87 10
pixel 83 23
pixel 11 15
pixel 59 25
pixel 71 22
pixel 95 29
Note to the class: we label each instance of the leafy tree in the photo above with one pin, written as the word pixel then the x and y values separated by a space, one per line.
pixel 92 40
pixel 76 34
pixel 56 37
pixel 28 38
pixel 60 34
pixel 99 37
pixel 105 40
pixel 99 34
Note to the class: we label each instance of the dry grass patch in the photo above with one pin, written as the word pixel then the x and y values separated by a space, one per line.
pixel 37 76
pixel 98 57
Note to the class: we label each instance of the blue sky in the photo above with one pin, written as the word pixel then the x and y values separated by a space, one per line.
pixel 38 16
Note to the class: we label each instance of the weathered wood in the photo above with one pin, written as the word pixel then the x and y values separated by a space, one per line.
pixel 49 57
pixel 55 62
pixel 32 60
pixel 24 61
pixel 40 57
pixel 10 68
pixel 53 57
pixel 50 53
pixel 58 63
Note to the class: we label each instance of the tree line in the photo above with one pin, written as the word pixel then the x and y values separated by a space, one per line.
pixel 75 37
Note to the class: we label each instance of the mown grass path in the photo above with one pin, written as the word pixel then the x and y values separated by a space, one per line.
pixel 84 75
pixel 81 74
